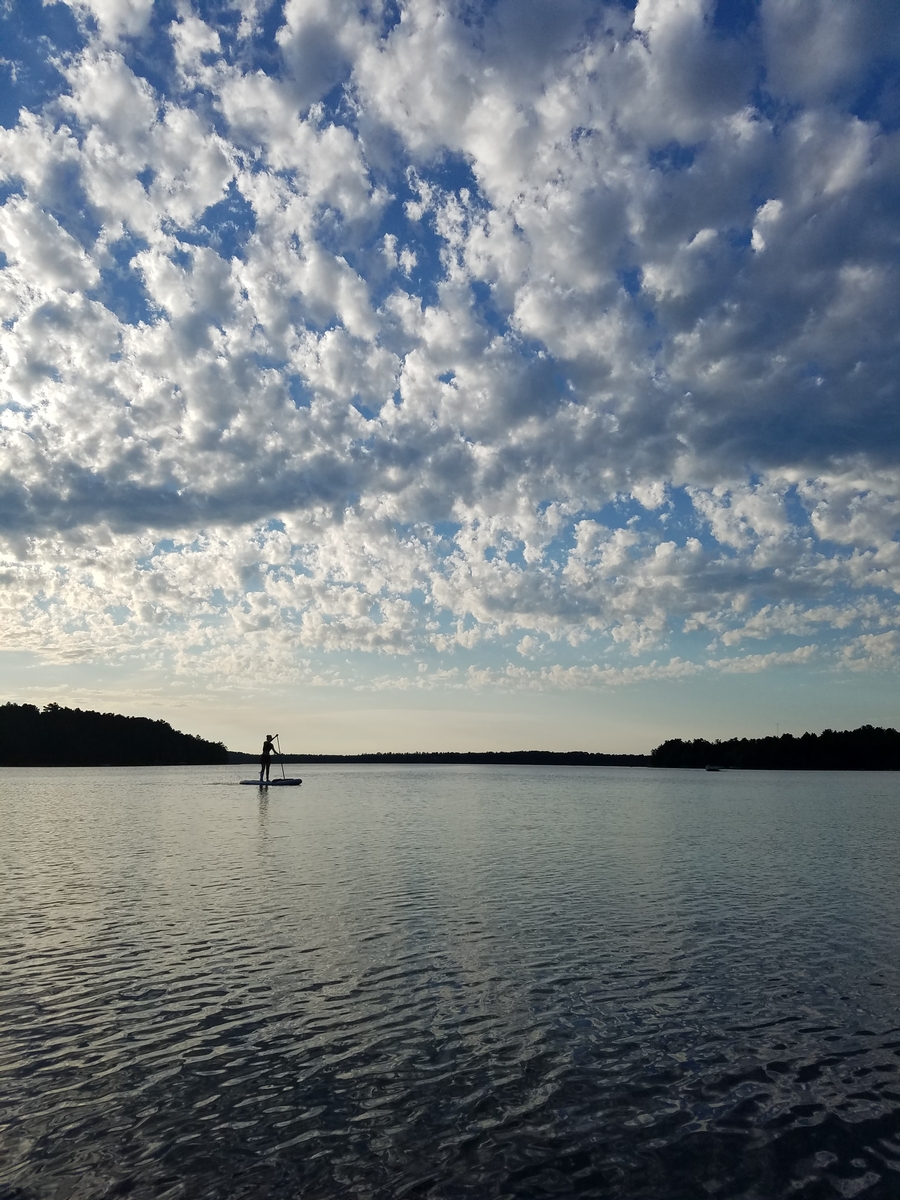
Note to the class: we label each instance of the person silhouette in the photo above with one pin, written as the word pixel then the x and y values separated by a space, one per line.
pixel 265 761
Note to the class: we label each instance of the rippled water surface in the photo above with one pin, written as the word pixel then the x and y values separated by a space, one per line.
pixel 449 982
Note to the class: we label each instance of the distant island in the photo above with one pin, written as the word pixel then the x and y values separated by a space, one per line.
pixel 534 758
pixel 864 749
pixel 69 737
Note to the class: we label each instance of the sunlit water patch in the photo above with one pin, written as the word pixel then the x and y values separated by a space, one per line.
pixel 449 982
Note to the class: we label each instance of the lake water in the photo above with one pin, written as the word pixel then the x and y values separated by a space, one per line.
pixel 449 982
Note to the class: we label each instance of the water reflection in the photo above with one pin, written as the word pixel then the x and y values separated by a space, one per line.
pixel 263 824
pixel 449 982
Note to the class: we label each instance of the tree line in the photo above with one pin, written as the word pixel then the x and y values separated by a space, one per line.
pixel 70 737
pixel 538 758
pixel 865 749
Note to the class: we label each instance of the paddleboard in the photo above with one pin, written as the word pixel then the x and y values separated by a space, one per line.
pixel 271 783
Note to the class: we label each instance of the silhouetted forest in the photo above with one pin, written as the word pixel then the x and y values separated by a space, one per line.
pixel 863 749
pixel 540 758
pixel 69 737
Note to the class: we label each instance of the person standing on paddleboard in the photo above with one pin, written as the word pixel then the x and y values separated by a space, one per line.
pixel 266 759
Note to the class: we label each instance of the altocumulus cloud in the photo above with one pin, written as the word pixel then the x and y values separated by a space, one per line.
pixel 507 344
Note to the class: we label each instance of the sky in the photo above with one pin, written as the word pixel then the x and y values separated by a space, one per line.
pixel 459 375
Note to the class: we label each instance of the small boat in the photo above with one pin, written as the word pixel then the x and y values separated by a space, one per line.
pixel 714 768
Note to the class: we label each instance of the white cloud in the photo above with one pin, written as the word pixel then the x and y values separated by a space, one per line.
pixel 115 18
pixel 873 650
pixel 760 662
pixel 49 257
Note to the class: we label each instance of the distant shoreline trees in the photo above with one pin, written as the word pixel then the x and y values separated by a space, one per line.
pixel 528 758
pixel 864 749
pixel 69 737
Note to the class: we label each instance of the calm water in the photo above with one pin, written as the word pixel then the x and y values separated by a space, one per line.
pixel 449 982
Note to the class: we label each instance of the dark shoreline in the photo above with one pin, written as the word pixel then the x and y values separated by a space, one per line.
pixel 865 749
pixel 71 737
pixel 541 758
pixel 63 737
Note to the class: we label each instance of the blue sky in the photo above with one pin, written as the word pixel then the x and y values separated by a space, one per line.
pixel 459 375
